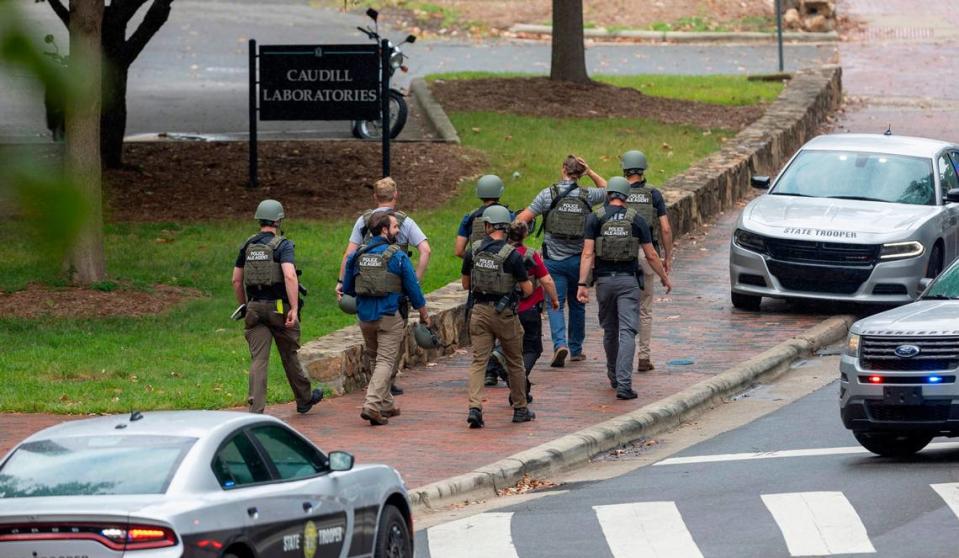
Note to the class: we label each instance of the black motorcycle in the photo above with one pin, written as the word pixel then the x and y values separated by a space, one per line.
pixel 53 101
pixel 398 111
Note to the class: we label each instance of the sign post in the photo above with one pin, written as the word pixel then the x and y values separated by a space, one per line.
pixel 385 103
pixel 253 81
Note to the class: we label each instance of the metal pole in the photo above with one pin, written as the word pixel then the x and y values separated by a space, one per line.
pixel 253 116
pixel 385 103
pixel 779 32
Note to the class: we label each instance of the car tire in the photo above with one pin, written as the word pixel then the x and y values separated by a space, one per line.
pixel 892 444
pixel 934 267
pixel 393 539
pixel 745 301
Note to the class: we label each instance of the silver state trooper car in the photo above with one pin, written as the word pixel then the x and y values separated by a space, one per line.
pixel 195 484
pixel 898 373
pixel 853 217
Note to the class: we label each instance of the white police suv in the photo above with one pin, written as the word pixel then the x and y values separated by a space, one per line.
pixel 853 217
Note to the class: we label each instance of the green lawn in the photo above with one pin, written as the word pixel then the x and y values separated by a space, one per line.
pixel 195 357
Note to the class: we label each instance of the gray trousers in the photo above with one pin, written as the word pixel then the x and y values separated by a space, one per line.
pixel 618 298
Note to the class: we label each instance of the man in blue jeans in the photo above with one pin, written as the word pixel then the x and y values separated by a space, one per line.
pixel 565 207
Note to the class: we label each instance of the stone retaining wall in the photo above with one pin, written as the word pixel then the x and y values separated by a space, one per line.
pixel 711 186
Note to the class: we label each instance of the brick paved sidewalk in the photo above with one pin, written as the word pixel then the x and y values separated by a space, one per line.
pixel 430 441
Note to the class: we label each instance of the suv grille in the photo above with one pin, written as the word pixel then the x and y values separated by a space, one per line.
pixel 935 353
pixel 807 251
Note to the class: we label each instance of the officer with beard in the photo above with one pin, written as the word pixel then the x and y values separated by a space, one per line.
pixel 378 275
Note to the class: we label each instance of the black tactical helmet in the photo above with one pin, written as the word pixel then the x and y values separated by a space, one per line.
pixel 348 304
pixel 425 337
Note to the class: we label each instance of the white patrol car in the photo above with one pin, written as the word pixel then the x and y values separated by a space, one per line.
pixel 852 217
pixel 195 484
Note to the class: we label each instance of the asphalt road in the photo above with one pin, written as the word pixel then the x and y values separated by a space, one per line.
pixel 193 76
pixel 709 501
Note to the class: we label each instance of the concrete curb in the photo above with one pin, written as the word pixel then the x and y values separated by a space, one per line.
pixel 684 36
pixel 578 448
pixel 434 111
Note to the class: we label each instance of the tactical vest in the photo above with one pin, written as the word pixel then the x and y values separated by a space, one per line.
pixel 641 200
pixel 566 218
pixel 373 275
pixel 367 236
pixel 616 242
pixel 261 270
pixel 477 226
pixel 489 275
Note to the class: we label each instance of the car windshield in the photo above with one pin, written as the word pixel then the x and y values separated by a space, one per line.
pixel 946 285
pixel 859 176
pixel 93 465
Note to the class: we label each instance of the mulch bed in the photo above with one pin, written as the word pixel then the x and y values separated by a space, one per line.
pixel 538 96
pixel 314 179
pixel 39 301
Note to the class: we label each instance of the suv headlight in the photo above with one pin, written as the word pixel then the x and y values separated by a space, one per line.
pixel 852 345
pixel 901 250
pixel 750 241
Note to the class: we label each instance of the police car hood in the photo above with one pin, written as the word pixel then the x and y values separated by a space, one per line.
pixel 923 317
pixel 840 220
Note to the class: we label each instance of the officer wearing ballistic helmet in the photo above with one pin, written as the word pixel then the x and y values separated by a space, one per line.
pixel 489 189
pixel 494 272
pixel 265 281
pixel 649 203
pixel 614 236
pixel 378 275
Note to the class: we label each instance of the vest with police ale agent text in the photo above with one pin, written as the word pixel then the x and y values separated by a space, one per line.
pixel 566 218
pixel 616 242
pixel 261 270
pixel 489 275
pixel 367 235
pixel 641 200
pixel 373 275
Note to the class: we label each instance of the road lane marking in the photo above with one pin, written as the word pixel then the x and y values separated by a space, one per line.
pixel 815 452
pixel 949 491
pixel 646 529
pixel 818 523
pixel 480 536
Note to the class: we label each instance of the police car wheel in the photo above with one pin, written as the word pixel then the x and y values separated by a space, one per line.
pixel 892 444
pixel 745 301
pixel 393 536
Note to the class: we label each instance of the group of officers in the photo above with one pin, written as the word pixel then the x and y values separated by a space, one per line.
pixel 614 236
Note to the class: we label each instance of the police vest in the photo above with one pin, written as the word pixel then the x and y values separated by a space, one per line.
pixel 566 217
pixel 262 270
pixel 489 275
pixel 367 235
pixel 476 225
pixel 373 277
pixel 616 242
pixel 641 200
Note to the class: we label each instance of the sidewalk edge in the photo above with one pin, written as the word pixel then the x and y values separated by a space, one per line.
pixel 685 36
pixel 578 448
pixel 434 111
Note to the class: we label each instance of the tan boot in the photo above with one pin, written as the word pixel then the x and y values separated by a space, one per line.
pixel 394 412
pixel 644 365
pixel 375 417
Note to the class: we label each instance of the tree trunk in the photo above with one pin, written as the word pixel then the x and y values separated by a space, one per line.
pixel 82 157
pixel 568 61
pixel 113 119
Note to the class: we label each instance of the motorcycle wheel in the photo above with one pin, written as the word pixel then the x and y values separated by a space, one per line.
pixel 373 129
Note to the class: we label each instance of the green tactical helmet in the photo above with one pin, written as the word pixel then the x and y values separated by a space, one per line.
pixel 618 185
pixel 489 186
pixel 496 215
pixel 425 337
pixel 348 304
pixel 269 210
pixel 634 160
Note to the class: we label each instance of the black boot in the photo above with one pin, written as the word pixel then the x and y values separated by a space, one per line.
pixel 492 378
pixel 315 398
pixel 475 418
pixel 396 390
pixel 523 414
pixel 625 393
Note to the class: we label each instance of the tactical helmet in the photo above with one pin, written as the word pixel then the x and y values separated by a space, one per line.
pixel 489 186
pixel 496 215
pixel 269 210
pixel 618 185
pixel 425 337
pixel 348 304
pixel 634 160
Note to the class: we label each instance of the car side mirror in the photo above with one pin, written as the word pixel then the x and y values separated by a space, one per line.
pixel 924 284
pixel 952 196
pixel 760 182
pixel 340 461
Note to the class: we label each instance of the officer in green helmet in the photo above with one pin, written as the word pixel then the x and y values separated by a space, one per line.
pixel 489 189
pixel 495 274
pixel 649 203
pixel 615 235
pixel 265 281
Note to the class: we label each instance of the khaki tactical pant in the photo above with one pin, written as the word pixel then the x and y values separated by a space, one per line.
pixel 486 326
pixel 383 340
pixel 263 325
pixel 646 309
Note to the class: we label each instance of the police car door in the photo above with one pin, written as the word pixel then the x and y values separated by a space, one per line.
pixel 311 521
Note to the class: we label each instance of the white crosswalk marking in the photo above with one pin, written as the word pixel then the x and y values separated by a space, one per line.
pixel 818 523
pixel 646 529
pixel 486 535
pixel 949 491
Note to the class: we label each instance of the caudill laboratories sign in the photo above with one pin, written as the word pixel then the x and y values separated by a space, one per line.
pixel 319 82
